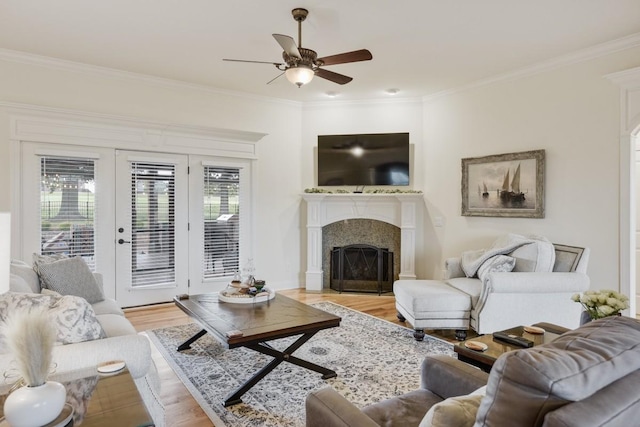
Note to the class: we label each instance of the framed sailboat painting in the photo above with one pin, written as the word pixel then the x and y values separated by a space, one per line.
pixel 504 185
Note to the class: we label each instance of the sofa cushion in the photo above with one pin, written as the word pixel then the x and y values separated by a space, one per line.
pixel 572 367
pixel 26 272
pixel 18 284
pixel 73 317
pixel 459 411
pixel 107 306
pixel 71 276
pixel 115 325
pixel 507 244
pixel 471 287
pixel 405 410
pixel 538 257
pixel 498 263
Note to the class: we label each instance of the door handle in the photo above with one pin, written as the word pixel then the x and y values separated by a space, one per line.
pixel 122 241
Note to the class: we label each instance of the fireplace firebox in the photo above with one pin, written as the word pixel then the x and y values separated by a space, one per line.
pixel 361 268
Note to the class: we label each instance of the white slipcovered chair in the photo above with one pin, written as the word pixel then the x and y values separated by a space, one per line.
pixel 538 289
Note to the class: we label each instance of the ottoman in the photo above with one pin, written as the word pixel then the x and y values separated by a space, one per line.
pixel 432 304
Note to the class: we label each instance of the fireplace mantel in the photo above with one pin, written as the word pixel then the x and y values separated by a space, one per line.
pixel 399 209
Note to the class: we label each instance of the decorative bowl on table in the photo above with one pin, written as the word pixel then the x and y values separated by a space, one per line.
pixel 245 294
pixel 259 284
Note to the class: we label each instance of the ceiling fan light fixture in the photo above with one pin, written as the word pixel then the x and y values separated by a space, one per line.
pixel 300 75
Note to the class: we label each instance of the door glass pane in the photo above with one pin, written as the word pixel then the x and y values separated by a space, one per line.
pixel 221 220
pixel 67 207
pixel 152 224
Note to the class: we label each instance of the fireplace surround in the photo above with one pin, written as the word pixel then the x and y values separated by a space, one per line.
pixel 399 209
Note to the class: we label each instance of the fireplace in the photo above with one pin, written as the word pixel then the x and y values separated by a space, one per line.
pixel 361 268
pixel 400 210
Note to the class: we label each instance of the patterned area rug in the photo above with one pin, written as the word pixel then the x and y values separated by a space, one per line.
pixel 374 360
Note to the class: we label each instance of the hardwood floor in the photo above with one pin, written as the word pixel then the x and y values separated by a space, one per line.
pixel 181 409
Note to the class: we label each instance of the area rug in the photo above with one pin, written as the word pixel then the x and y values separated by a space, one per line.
pixel 374 360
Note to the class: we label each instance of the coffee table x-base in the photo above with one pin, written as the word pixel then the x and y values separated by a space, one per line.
pixel 253 325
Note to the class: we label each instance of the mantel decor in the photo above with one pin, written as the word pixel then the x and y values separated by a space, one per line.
pixel 316 190
pixel 504 185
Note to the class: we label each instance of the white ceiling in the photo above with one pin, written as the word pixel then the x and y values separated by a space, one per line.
pixel 419 47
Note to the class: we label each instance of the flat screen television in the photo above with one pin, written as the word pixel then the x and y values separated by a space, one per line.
pixel 373 159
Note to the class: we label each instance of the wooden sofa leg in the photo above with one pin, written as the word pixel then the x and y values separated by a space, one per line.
pixel 401 317
pixel 418 334
pixel 461 334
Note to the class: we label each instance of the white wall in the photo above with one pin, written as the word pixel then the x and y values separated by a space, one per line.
pixel 278 169
pixel 571 112
pixel 334 118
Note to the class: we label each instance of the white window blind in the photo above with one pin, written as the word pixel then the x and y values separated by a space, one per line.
pixel 152 224
pixel 221 220
pixel 67 207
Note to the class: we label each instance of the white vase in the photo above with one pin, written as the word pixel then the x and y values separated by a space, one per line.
pixel 35 406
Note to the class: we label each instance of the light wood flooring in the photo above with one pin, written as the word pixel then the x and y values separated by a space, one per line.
pixel 181 409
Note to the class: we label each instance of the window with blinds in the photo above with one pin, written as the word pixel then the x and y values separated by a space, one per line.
pixel 152 224
pixel 221 217
pixel 67 207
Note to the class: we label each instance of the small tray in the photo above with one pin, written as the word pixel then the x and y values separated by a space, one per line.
pixel 534 330
pixel 476 345
pixel 245 298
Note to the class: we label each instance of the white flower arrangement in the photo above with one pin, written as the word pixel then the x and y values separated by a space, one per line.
pixel 602 303
pixel 30 336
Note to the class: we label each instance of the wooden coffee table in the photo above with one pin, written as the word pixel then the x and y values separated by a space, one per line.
pixel 253 325
pixel 496 348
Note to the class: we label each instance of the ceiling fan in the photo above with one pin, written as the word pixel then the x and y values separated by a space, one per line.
pixel 301 64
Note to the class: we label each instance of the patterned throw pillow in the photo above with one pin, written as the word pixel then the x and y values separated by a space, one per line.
pixel 498 263
pixel 70 276
pixel 73 317
pixel 459 411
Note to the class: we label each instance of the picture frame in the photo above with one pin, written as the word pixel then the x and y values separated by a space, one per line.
pixel 504 185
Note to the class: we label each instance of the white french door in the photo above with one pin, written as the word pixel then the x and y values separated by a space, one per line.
pixel 151 227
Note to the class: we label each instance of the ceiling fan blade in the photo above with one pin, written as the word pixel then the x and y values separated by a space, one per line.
pixel 343 58
pixel 334 77
pixel 275 78
pixel 254 62
pixel 288 45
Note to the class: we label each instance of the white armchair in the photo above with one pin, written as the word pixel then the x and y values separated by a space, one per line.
pixel 524 298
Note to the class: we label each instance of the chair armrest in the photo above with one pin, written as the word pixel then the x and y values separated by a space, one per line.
pixel 448 377
pixel 542 283
pixel 134 350
pixel 327 408
pixel 453 268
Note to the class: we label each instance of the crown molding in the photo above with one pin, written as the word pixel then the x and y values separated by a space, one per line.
pixel 626 78
pixel 96 70
pixel 582 55
pixel 381 101
pixel 57 125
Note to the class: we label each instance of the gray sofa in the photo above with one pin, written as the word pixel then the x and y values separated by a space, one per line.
pixel 588 376
pixel 122 342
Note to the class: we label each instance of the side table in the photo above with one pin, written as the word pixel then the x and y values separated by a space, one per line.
pixel 99 400
pixel 495 348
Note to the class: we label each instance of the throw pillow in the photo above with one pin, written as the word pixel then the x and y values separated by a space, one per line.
pixel 71 276
pixel 538 257
pixel 73 317
pixel 498 263
pixel 459 411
